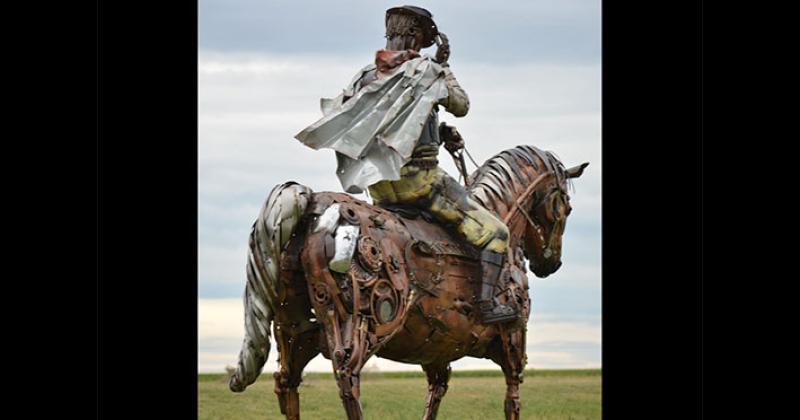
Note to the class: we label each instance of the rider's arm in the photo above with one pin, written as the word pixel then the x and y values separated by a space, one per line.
pixel 457 101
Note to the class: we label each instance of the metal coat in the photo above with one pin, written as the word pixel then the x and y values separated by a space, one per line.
pixel 376 130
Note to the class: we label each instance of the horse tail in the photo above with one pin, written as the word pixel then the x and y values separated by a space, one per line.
pixel 272 229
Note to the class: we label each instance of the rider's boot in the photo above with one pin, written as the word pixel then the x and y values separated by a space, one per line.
pixel 492 311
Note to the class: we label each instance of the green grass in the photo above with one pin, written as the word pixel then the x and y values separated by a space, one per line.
pixel 545 394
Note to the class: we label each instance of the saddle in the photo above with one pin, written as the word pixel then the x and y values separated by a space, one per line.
pixel 410 212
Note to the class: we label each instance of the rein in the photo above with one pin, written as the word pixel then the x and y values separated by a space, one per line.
pixel 524 197
pixel 458 159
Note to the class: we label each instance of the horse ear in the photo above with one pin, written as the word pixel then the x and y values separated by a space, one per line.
pixel 576 171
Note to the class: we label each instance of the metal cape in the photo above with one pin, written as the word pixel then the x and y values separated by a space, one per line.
pixel 374 132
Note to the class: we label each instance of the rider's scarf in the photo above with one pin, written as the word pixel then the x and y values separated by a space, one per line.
pixel 374 128
pixel 387 60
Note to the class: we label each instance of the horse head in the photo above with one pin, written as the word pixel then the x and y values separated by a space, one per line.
pixel 546 223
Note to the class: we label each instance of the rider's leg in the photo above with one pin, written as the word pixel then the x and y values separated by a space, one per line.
pixel 414 185
pixel 447 200
pixel 441 195
pixel 451 202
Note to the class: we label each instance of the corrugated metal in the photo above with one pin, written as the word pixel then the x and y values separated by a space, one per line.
pixel 375 131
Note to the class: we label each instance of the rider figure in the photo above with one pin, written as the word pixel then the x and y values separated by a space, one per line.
pixel 384 128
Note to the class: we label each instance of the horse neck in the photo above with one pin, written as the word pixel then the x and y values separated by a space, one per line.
pixel 507 184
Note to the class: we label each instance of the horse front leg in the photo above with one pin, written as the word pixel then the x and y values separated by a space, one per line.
pixel 350 349
pixel 349 392
pixel 295 351
pixel 438 377
pixel 512 404
pixel 510 355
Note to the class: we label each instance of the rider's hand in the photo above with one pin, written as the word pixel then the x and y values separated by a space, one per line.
pixel 451 137
pixel 454 146
pixel 443 50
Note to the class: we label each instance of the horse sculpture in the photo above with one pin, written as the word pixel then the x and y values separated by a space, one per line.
pixel 337 276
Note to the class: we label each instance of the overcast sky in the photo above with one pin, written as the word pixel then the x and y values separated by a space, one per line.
pixel 531 69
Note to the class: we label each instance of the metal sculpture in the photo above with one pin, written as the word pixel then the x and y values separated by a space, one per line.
pixel 385 131
pixel 335 275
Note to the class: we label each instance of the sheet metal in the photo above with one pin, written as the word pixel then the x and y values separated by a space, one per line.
pixel 375 131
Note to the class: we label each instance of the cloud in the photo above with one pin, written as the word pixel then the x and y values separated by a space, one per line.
pixel 531 30
pixel 552 343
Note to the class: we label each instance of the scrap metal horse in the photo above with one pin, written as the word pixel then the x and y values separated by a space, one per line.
pixel 337 276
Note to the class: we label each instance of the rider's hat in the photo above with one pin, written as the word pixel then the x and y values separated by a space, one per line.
pixel 424 19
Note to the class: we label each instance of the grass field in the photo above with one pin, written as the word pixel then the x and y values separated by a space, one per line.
pixel 545 394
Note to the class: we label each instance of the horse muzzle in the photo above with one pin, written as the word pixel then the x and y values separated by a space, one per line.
pixel 546 269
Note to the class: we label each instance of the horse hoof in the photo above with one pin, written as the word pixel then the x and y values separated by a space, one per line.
pixel 235 385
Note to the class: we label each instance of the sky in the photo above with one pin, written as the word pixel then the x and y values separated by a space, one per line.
pixel 532 71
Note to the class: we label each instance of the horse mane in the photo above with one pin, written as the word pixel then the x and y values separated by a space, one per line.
pixel 502 178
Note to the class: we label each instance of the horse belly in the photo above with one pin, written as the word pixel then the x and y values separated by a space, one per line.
pixel 442 324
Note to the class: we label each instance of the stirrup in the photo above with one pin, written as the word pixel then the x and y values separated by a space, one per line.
pixel 497 313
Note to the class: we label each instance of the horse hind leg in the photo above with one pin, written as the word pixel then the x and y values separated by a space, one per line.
pixel 509 353
pixel 295 351
pixel 438 377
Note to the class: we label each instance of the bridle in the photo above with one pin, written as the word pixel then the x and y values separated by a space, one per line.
pixel 544 199
pixel 529 192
